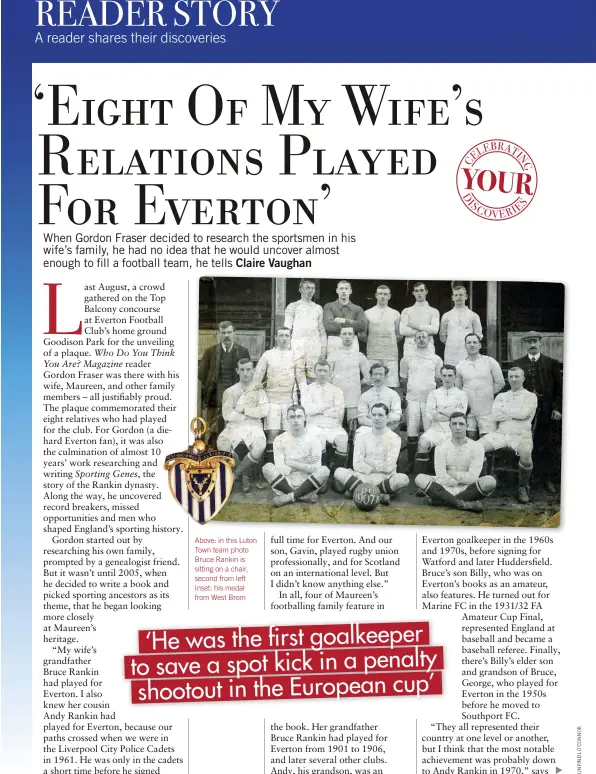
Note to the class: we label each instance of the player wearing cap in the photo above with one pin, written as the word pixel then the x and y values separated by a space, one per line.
pixel 456 324
pixel 481 378
pixel 382 335
pixel 512 414
pixel 375 459
pixel 458 465
pixel 297 473
pixel 244 406
pixel 305 320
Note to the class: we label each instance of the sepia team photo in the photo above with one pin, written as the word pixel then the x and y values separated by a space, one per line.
pixel 327 391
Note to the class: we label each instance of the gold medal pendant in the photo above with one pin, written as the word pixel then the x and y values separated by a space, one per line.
pixel 200 478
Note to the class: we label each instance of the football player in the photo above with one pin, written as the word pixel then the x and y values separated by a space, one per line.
pixel 297 473
pixel 304 318
pixel 458 482
pixel 375 459
pixel 244 406
pixel 512 414
pixel 481 378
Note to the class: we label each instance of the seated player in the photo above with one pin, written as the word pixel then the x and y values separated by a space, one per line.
pixel 440 405
pixel 420 373
pixel 379 393
pixel 324 404
pixel 297 473
pixel 513 413
pixel 375 459
pixel 349 368
pixel 458 465
pixel 243 407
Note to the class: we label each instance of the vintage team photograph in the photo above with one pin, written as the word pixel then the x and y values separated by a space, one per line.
pixel 351 401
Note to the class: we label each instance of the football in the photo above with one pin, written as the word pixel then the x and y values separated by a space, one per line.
pixel 366 497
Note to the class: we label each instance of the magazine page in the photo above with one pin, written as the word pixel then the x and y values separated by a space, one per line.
pixel 289 412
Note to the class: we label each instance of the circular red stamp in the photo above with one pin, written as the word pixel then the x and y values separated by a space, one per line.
pixel 496 179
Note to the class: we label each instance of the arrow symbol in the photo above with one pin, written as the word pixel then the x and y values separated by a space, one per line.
pixel 557 770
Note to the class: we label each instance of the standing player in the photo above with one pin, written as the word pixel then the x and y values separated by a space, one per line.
pixel 324 404
pixel 297 472
pixel 244 406
pixel 420 317
pixel 458 465
pixel 349 367
pixel 382 329
pixel 375 459
pixel 481 378
pixel 342 312
pixel 283 381
pixel 440 405
pixel 305 320
pixel 420 374
pixel 456 324
pixel 379 393
pixel 217 372
pixel 512 414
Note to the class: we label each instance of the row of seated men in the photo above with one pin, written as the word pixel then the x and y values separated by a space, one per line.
pixel 294 467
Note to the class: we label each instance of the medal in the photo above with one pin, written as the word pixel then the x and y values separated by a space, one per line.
pixel 200 478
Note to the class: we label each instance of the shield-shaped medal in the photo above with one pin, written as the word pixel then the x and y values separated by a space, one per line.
pixel 200 478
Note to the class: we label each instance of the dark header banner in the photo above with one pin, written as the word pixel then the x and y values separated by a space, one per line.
pixel 297 31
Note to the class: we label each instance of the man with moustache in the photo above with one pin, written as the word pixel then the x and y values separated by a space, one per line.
pixel 217 372
pixel 543 378
pixel 512 414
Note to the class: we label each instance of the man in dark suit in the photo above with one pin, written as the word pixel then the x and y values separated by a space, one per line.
pixel 217 372
pixel 543 377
